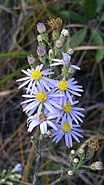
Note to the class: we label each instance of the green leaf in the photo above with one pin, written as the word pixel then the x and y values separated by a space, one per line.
pixel 78 38
pixel 75 17
pixel 98 40
pixel 90 8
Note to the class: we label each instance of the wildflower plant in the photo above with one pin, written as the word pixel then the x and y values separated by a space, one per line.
pixel 50 100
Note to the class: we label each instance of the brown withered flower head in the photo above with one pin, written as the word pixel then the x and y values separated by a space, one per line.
pixel 55 23
pixel 93 144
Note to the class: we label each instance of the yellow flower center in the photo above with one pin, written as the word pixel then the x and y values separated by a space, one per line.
pixel 67 107
pixel 63 85
pixel 66 127
pixel 41 96
pixel 36 74
pixel 42 117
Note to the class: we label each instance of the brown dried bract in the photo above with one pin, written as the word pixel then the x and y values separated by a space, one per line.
pixel 55 23
pixel 93 144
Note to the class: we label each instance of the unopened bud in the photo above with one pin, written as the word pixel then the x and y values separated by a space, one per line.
pixel 65 32
pixel 71 70
pixel 70 172
pixel 49 133
pixel 98 165
pixel 72 152
pixel 41 27
pixel 41 51
pixel 81 151
pixel 18 167
pixel 76 160
pixel 39 38
pixel 59 44
pixel 30 59
pixel 70 51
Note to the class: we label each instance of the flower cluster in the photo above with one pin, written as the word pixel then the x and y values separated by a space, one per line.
pixel 50 103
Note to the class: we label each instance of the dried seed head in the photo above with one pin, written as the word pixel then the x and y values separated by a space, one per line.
pixel 55 23
pixel 93 144
pixel 70 172
pixel 98 165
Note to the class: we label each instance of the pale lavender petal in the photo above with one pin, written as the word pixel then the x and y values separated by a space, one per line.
pixel 79 113
pixel 28 74
pixel 75 67
pixel 28 96
pixel 45 85
pixel 54 104
pixel 52 125
pixel 56 64
pixel 49 107
pixel 75 93
pixel 43 127
pixel 39 109
pixel 67 140
pixel 22 79
pixel 70 139
pixel 76 133
pixel 75 137
pixel 74 118
pixel 23 84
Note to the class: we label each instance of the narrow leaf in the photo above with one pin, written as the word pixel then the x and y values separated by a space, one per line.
pixel 98 40
pixel 78 38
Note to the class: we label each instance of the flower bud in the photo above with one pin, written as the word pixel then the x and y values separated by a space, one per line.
pixel 98 165
pixel 71 70
pixel 39 38
pixel 40 51
pixel 65 32
pixel 72 152
pixel 41 27
pixel 70 172
pixel 30 59
pixel 81 151
pixel 59 44
pixel 18 168
pixel 48 132
pixel 76 160
pixel 70 51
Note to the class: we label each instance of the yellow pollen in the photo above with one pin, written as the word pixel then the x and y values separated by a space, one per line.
pixel 66 127
pixel 41 96
pixel 67 107
pixel 42 117
pixel 36 74
pixel 63 85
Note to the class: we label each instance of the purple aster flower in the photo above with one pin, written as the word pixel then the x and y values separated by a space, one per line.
pixel 35 76
pixel 69 111
pixel 39 99
pixel 43 120
pixel 67 88
pixel 65 61
pixel 68 131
